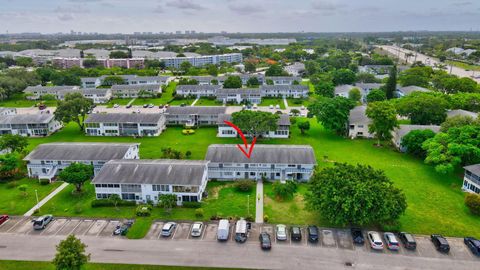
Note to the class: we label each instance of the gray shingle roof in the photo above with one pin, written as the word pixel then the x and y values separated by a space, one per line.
pixel 286 87
pixel 403 130
pixel 173 110
pixel 26 118
pixel 198 87
pixel 453 113
pixel 80 151
pixel 161 171
pixel 151 87
pixel 284 119
pixel 284 78
pixel 241 91
pixel 262 153
pixel 475 169
pixel 358 115
pixel 407 90
pixel 124 118
pixel 345 88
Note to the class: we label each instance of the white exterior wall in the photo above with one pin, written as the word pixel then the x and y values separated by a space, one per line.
pixel 108 130
pixel 281 172
pixel 471 183
pixel 359 131
pixel 52 126
pixel 229 132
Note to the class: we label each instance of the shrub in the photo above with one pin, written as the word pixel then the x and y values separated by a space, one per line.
pixel 244 185
pixel 265 218
pixel 250 218
pixel 110 203
pixel 192 204
pixel 44 182
pixel 472 201
pixel 284 191
pixel 143 210
pixel 199 213
pixel 12 184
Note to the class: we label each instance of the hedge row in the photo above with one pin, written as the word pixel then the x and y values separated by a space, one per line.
pixel 109 203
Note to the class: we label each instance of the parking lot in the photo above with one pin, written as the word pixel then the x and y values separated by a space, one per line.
pixel 62 226
pixel 328 238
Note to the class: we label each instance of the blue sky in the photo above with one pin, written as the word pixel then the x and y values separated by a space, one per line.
pixel 127 16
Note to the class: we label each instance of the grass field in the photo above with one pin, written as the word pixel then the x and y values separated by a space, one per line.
pixel 272 101
pixel 119 101
pixel 435 201
pixel 208 102
pixel 463 65
pixel 14 202
pixel 19 101
pixel 29 265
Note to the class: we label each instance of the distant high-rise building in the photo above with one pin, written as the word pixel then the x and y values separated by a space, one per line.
pixel 187 32
pixel 192 31
pixel 178 32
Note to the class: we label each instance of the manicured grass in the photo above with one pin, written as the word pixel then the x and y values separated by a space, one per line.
pixel 463 65
pixel 178 102
pixel 435 201
pixel 20 265
pixel 19 101
pixel 154 101
pixel 12 200
pixel 272 101
pixel 140 228
pixel 208 102
pixel 167 95
pixel 119 101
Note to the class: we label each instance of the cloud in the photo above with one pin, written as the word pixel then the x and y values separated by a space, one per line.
pixel 465 3
pixel 185 5
pixel 245 9
pixel 71 9
pixel 84 1
pixel 327 6
pixel 66 17
pixel 158 9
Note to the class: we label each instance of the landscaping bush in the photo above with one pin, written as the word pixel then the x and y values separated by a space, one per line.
pixel 265 218
pixel 199 213
pixel 250 218
pixel 284 191
pixel 44 182
pixel 77 209
pixel 192 204
pixel 244 185
pixel 109 203
pixel 12 184
pixel 188 131
pixel 143 210
pixel 472 201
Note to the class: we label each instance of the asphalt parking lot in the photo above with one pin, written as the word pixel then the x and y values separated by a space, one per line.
pixel 62 226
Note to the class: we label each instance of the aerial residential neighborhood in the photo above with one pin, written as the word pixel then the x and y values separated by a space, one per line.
pixel 239 135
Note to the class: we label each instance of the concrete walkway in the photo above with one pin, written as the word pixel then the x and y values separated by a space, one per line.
pixel 131 101
pixel 195 101
pixel 286 103
pixel 259 202
pixel 46 199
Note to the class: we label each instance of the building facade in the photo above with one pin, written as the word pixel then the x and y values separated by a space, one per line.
pixel 133 90
pixel 358 123
pixel 194 116
pixel 34 125
pixel 285 91
pixel 226 131
pixel 125 124
pixel 240 95
pixel 471 179
pixel 402 130
pixel 197 90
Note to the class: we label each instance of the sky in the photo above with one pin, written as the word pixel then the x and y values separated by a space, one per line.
pixel 128 16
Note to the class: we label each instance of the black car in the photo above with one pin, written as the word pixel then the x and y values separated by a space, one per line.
pixel 473 244
pixel 312 234
pixel 441 244
pixel 357 236
pixel 295 233
pixel 265 242
pixel 128 106
pixel 145 105
pixel 407 240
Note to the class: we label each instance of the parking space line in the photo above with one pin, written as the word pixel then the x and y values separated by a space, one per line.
pixel 89 227
pixel 61 228
pixel 175 231
pixel 104 226
pixel 79 222
pixel 22 219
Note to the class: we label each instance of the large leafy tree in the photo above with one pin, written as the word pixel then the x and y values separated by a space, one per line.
pixel 423 108
pixel 391 85
pixel 250 66
pixel 457 146
pixel 233 82
pixel 413 141
pixel 70 254
pixel 376 95
pixel 118 54
pixel 76 174
pixel 332 113
pixel 253 82
pixel 355 195
pixel 458 121
pixel 465 101
pixel 355 95
pixel 14 143
pixel 384 120
pixel 343 76
pixel 419 76
pixel 275 70
pixel 451 84
pixel 8 166
pixel 255 123
pixel 325 88
pixel 167 201
pixel 113 80
pixel 74 108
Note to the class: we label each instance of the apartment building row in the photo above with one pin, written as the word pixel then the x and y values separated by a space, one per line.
pixel 365 88
pixel 262 79
pixel 28 124
pixel 98 95
pixel 94 82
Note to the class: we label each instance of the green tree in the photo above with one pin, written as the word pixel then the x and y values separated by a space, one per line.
pixel 414 140
pixel 364 77
pixel 275 70
pixel 144 94
pixel 472 201
pixel 325 89
pixel 343 76
pixel 170 153
pixel 391 85
pixel 187 81
pixel 233 82
pixel 465 101
pixel 355 195
pixel 212 70
pixel 355 95
pixel 113 80
pixel 24 61
pixel 118 54
pixel 115 199
pixel 167 202
pixel 74 108
pixel 253 82
pixel 303 126
pixel 423 108
pixel 376 95
pixel 185 66
pixel 250 67
pixel 13 143
pixel 8 166
pixel 70 254
pixel 90 62
pixel 284 190
pixel 419 76
pixel 76 174
pixel 255 123
pixel 457 146
pixel 384 120
pixel 332 113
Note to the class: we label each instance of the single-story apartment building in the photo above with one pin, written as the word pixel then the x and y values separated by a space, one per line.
pixel 283 80
pixel 197 90
pixel 273 162
pixel 285 91
pixel 42 124
pixel 239 95
pixel 226 131
pixel 402 130
pixel 193 116
pixel 98 95
pixel 8 111
pixel 471 179
pixel 125 124
pixel 358 123
pixel 144 180
pixel 94 82
pixel 47 160
pixel 133 90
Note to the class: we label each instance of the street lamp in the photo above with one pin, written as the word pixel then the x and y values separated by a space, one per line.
pixel 248 205
pixel 36 195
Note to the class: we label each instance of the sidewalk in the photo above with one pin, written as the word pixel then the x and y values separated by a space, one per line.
pixel 45 200
pixel 195 101
pixel 259 203
pixel 286 103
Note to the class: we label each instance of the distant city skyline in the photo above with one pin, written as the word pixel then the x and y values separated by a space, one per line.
pixel 123 16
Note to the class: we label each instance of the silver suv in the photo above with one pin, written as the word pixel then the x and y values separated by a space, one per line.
pixel 41 222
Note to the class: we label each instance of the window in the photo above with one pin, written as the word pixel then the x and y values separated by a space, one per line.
pixel 165 188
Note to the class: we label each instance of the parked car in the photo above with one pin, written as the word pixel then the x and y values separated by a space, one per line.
pixel 41 222
pixel 145 105
pixel 312 234
pixel 129 106
pixel 241 231
pixel 295 233
pixel 3 219
pixel 277 106
pixel 160 106
pixel 223 230
pixel 42 107
pixel 391 241
pixel 151 105
pixel 441 244
pixel 168 229
pixel 271 107
pixel 357 236
pixel 281 232
pixel 408 240
pixel 116 105
pixel 473 244
pixel 197 228
pixel 265 242
pixel 375 240
pixel 183 105
pixel 121 229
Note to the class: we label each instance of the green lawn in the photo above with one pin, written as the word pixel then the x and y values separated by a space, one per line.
pixel 178 102
pixel 464 65
pixel 13 202
pixel 19 101
pixel 21 265
pixel 435 201
pixel 208 102
pixel 167 95
pixel 272 101
pixel 119 101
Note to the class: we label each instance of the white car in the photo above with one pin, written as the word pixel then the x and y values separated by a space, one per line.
pixel 271 107
pixel 116 106
pixel 281 232
pixel 168 229
pixel 197 228
pixel 375 240
pixel 391 241
pixel 277 106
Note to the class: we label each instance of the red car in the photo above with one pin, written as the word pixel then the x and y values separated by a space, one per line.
pixel 3 219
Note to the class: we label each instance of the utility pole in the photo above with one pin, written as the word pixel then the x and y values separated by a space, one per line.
pixel 248 205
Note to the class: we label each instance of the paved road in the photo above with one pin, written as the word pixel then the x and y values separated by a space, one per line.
pixel 259 202
pixel 401 53
pixel 46 199
pixel 230 254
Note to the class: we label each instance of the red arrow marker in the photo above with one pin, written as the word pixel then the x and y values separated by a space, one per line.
pixel 249 149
